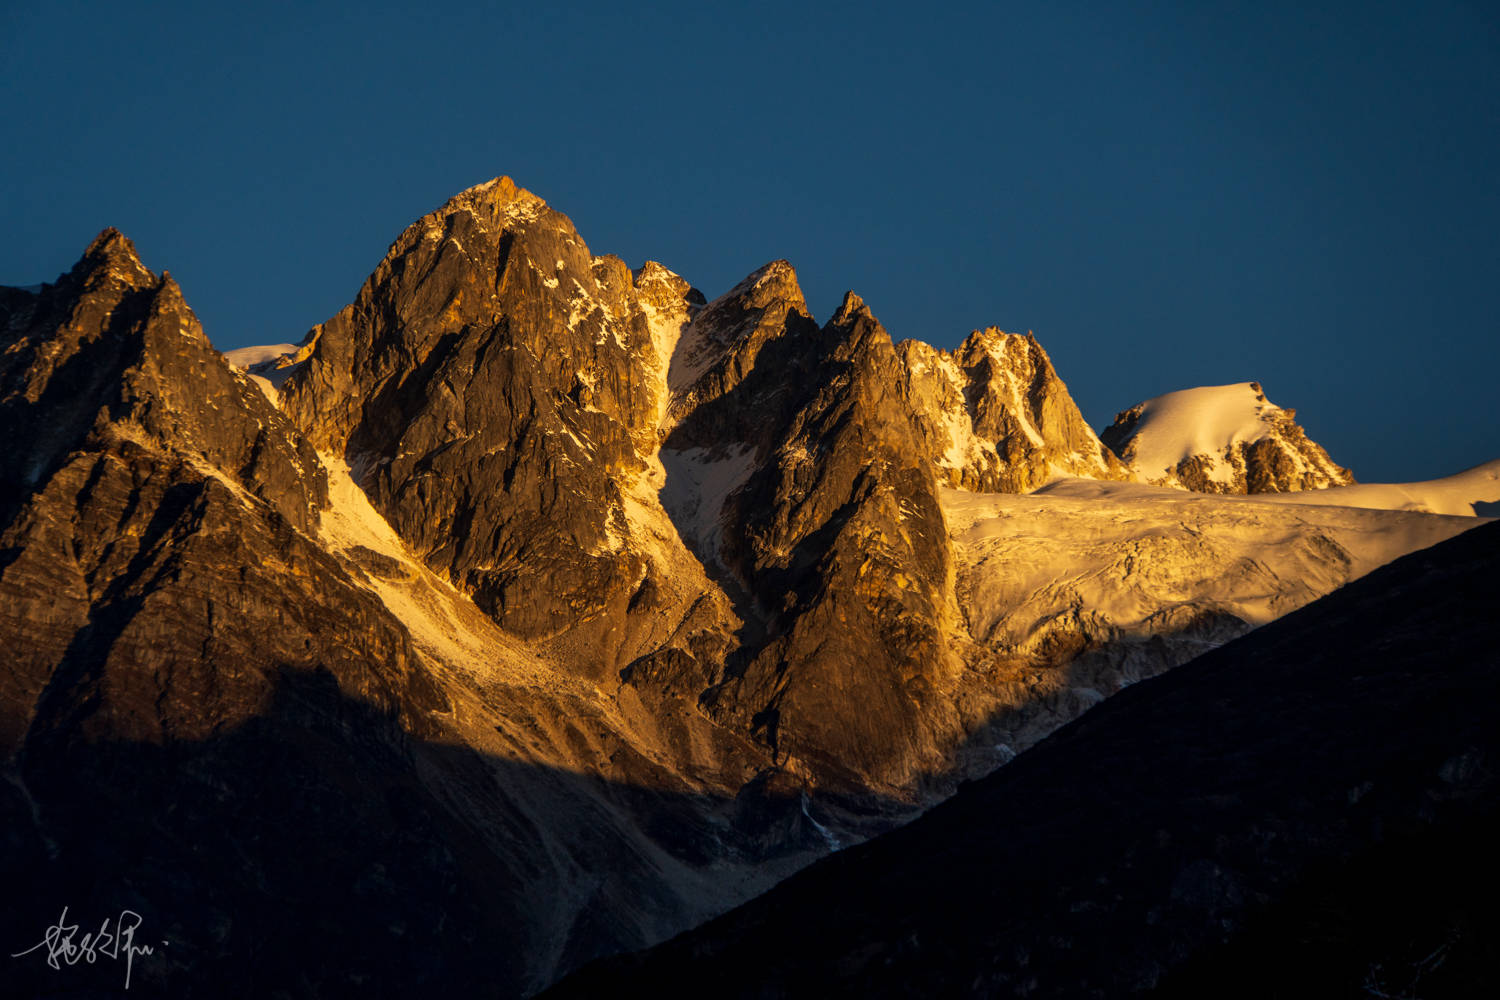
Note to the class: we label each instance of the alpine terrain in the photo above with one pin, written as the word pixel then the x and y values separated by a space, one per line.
pixel 535 608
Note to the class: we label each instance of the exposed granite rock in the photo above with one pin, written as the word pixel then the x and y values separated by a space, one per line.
pixel 838 536
pixel 113 350
pixel 486 386
pixel 732 636
pixel 147 479
pixel 720 350
pixel 996 418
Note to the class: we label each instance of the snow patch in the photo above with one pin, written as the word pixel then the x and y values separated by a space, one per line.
pixel 270 365
pixel 665 328
pixel 245 358
pixel 698 482
pixel 1454 495
pixel 1127 561
pixel 268 388
pixel 442 622
pixel 1202 421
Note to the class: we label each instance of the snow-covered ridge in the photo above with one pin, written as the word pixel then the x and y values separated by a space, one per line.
pixel 1203 421
pixel 1221 439
pixel 270 365
pixel 1473 492
pixel 245 358
pixel 664 298
pixel 1120 560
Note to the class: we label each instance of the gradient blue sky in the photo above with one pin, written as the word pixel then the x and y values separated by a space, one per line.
pixel 1167 194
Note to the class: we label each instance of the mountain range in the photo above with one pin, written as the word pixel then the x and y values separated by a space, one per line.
pixel 534 608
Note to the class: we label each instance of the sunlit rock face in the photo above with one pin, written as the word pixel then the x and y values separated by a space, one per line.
pixel 492 386
pixel 840 540
pixel 143 480
pixel 1222 439
pixel 995 417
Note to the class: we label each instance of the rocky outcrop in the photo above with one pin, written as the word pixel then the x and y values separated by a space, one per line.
pixel 995 417
pixel 145 480
pixel 1222 439
pixel 838 536
pixel 487 386
pixel 720 349
pixel 112 352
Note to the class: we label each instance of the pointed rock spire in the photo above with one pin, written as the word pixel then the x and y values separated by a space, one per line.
pixel 112 254
pixel 996 416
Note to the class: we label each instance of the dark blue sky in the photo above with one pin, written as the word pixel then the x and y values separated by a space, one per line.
pixel 1169 195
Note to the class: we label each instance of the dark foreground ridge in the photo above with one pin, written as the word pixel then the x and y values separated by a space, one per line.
pixel 1308 811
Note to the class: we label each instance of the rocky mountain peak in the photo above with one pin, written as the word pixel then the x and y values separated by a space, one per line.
pixel 851 307
pixel 498 388
pixel 497 198
pixel 112 256
pixel 841 540
pixel 721 346
pixel 663 287
pixel 854 332
pixel 599 595
pixel 992 337
pixel 118 362
pixel 997 418
pixel 771 283
pixel 1221 439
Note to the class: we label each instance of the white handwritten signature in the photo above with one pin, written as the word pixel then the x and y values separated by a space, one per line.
pixel 62 948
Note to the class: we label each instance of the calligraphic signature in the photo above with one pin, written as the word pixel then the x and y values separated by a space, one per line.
pixel 63 945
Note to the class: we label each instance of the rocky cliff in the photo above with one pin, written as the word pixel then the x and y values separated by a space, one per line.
pixel 995 417
pixel 839 539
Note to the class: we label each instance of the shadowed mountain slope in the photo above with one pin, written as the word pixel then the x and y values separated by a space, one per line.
pixel 1243 794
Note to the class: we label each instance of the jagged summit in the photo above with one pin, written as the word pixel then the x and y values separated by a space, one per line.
pixel 773 282
pixel 996 416
pixel 117 361
pixel 113 255
pixel 851 307
pixel 498 194
pixel 721 346
pixel 482 212
pixel 654 272
pixel 110 241
pixel 1221 439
